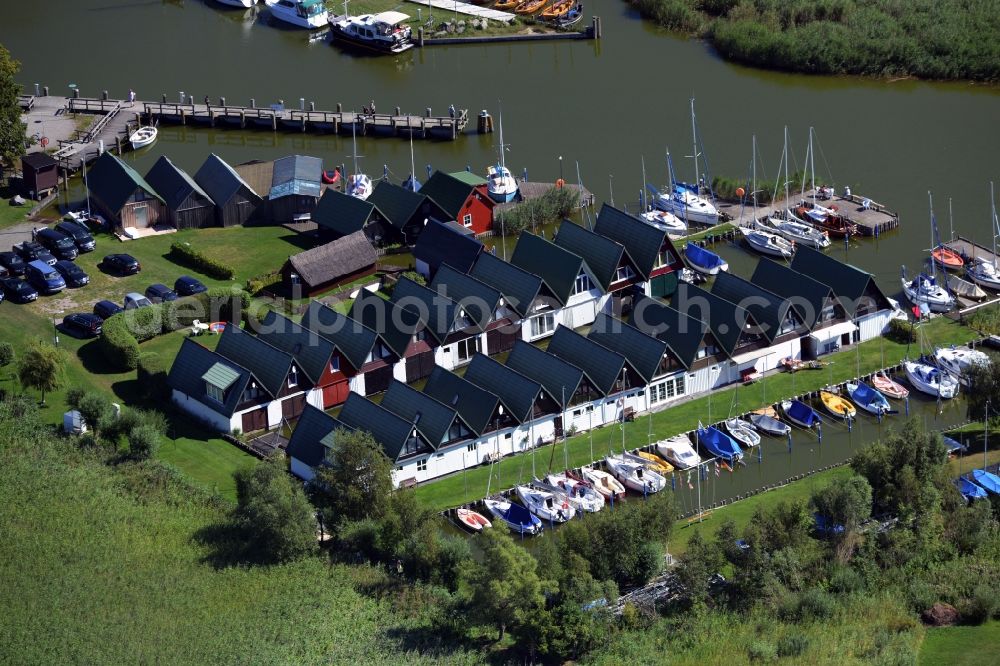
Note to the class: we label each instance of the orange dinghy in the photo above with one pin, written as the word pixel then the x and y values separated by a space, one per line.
pixel 947 258
pixel 557 9
pixel 529 6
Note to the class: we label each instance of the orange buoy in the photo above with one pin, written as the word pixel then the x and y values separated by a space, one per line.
pixel 560 183
pixel 740 191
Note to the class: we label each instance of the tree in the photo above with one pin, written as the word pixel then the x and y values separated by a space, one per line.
pixel 6 354
pixel 844 505
pixel 506 590
pixel 94 407
pixel 143 441
pixel 699 561
pixel 12 130
pixel 273 512
pixel 356 480
pixel 41 368
pixel 984 392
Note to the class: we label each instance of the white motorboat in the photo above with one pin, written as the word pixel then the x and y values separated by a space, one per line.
pixel 242 4
pixel 309 14
pixel 359 185
pixel 604 483
pixel 679 452
pixel 142 137
pixel 985 274
pixel 635 476
pixel 385 32
pixel 548 506
pixel 798 231
pixel 928 379
pixel 580 495
pixel 742 432
pixel 688 206
pixel 957 361
pixel 666 222
pixel 924 291
pixel 767 243
pixel 500 185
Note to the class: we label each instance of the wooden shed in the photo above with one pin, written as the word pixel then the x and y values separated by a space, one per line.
pixel 336 263
pixel 235 201
pixel 295 188
pixel 40 175
pixel 188 205
pixel 123 196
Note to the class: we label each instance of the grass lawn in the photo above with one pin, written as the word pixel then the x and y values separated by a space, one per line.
pixel 209 462
pixel 11 215
pixel 961 646
pixel 471 485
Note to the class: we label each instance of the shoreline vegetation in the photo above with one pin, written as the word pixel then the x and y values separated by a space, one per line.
pixel 927 39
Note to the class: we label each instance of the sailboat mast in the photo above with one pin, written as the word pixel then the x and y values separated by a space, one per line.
pixel 753 170
pixel 413 168
pixel 694 141
pixel 784 158
pixel 354 141
pixel 503 161
pixel 994 222
pixel 642 190
pixel 951 221
pixel 930 203
pixel 812 166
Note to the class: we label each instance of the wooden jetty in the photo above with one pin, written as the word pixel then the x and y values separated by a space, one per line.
pixel 971 250
pixel 871 217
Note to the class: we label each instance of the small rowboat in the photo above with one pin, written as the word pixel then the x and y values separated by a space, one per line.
pixel 557 9
pixel 602 482
pixel 652 461
pixel 742 432
pixel 947 258
pixel 529 6
pixel 473 520
pixel 889 388
pixel 142 137
pixel 837 405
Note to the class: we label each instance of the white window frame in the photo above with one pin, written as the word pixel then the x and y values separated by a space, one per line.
pixel 293 377
pixel 334 364
pixel 464 353
pixel 422 465
pixel 582 284
pixel 215 393
pixel 535 327
pixel 624 273
pixel 467 220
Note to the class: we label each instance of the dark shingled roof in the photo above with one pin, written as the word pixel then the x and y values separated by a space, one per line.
pixel 354 340
pixel 438 244
pixel 478 300
pixel 683 334
pixel 220 181
pixel 174 184
pixel 849 283
pixel 334 260
pixel 396 203
pixel 342 213
pixel 389 430
pixel 311 350
pixel 267 362
pixel 191 364
pixel 602 254
pixel 559 378
pixel 641 240
pixel 519 287
pixel 768 309
pixel 475 405
pixel 39 160
pixel 432 419
pixel 395 325
pixel 805 294
pixel 114 181
pixel 557 267
pixel 435 312
pixel 296 175
pixel 448 192
pixel 602 366
pixel 643 352
pixel 312 438
pixel 726 320
pixel 517 393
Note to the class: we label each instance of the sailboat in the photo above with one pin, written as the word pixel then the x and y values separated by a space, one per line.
pixel 411 183
pixel 635 476
pixel 986 273
pixel 548 506
pixel 679 452
pixel 742 432
pixel 941 254
pixel 704 260
pixel 923 290
pixel 500 185
pixel 800 413
pixel 581 495
pixel 889 387
pixel 358 184
pixel 664 221
pixel 928 379
pixel 684 200
pixel 785 224
pixel 719 444
pixel 946 258
pixel 868 399
pixel 769 424
pixel 602 482
pixel 767 243
pixel 513 515
pixel 824 218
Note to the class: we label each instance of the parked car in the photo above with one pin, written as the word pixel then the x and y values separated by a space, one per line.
pixel 186 285
pixel 158 293
pixel 134 300
pixel 73 274
pixel 18 290
pixel 83 324
pixel 80 235
pixel 13 263
pixel 123 264
pixel 46 279
pixel 33 251
pixel 105 309
pixel 4 272
pixel 61 245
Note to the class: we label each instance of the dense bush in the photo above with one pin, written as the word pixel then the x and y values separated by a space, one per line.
pixel 901 332
pixel 152 376
pixel 184 253
pixel 259 283
pixel 119 346
pixel 6 353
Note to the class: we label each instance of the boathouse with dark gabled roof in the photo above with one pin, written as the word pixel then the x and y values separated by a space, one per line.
pixel 646 354
pixel 188 205
pixel 860 296
pixel 403 330
pixel 404 210
pixel 521 289
pixel 338 215
pixel 330 265
pixel 735 329
pixel 478 407
pixel 462 199
pixel 438 243
pixel 315 435
pixel 481 311
pixel 124 197
pixel 235 201
pixel 608 260
pixel 295 188
pixel 657 260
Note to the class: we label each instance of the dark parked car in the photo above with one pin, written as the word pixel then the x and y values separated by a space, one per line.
pixel 123 264
pixel 44 278
pixel 58 244
pixel 13 263
pixel 31 251
pixel 18 290
pixel 4 272
pixel 84 241
pixel 158 293
pixel 188 286
pixel 83 324
pixel 73 274
pixel 105 309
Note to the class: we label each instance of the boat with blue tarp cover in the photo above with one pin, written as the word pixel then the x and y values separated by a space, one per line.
pixel 868 399
pixel 987 480
pixel 968 489
pixel 703 260
pixel 800 413
pixel 514 516
pixel 719 444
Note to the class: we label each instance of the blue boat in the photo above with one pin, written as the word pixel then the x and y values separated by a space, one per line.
pixel 704 261
pixel 869 399
pixel 719 444
pixel 969 490
pixel 987 480
pixel 800 413
pixel 514 516
pixel 952 446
